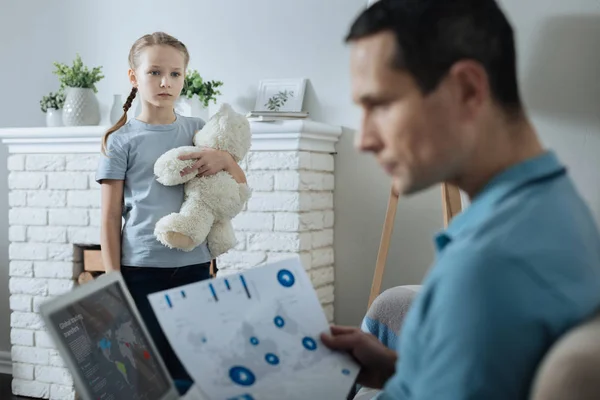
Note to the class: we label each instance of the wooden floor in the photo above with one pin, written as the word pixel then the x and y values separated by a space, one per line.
pixel 5 390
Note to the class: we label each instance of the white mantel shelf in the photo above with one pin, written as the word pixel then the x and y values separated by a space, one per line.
pixel 289 135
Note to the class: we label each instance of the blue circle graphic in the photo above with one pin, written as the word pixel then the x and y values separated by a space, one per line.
pixel 309 343
pixel 242 376
pixel 254 341
pixel 279 322
pixel 346 371
pixel 286 278
pixel 272 359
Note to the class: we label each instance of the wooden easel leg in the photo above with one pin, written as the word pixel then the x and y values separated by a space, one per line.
pixel 451 206
pixel 451 202
pixel 384 245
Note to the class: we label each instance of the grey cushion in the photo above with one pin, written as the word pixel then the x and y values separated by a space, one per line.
pixel 388 309
pixel 366 394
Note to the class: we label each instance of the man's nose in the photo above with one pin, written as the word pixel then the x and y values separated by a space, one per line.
pixel 367 139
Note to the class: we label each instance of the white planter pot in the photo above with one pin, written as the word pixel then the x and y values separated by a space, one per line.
pixel 54 117
pixel 138 109
pixel 81 108
pixel 116 111
pixel 191 108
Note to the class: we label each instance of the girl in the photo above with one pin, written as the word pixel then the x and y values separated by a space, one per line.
pixel 129 189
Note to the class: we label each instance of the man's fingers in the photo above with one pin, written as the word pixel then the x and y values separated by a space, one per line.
pixel 341 342
pixel 341 330
pixel 341 337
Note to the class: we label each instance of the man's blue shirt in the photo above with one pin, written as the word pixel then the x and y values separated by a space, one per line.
pixel 513 272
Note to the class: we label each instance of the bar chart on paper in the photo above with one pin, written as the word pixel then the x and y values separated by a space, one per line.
pixel 226 288
pixel 255 335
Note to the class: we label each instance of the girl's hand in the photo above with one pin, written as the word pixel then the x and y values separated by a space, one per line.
pixel 208 162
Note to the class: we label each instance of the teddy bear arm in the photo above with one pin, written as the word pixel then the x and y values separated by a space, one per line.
pixel 168 167
pixel 238 206
pixel 221 238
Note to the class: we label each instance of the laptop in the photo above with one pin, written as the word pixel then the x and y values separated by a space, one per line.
pixel 106 346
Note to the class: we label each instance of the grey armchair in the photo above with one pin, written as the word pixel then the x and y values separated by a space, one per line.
pixel 569 371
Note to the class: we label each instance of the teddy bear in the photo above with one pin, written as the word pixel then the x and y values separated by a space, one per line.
pixel 210 202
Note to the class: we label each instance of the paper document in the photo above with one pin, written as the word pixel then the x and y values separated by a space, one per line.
pixel 255 335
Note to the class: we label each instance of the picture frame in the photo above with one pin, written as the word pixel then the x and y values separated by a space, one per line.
pixel 280 95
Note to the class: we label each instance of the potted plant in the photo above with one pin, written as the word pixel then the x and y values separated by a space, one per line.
pixel 52 105
pixel 196 95
pixel 81 106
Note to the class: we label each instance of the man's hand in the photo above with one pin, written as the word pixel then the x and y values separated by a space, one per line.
pixel 208 162
pixel 377 361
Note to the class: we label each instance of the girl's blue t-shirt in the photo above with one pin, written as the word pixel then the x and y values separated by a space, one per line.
pixel 131 154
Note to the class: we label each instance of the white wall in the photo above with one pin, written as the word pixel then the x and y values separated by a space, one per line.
pixel 241 42
pixel 26 48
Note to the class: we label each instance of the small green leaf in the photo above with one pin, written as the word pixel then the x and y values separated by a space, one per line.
pixel 78 75
pixel 195 85
pixel 52 101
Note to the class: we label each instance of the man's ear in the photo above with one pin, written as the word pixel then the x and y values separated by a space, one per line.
pixel 471 83
pixel 132 78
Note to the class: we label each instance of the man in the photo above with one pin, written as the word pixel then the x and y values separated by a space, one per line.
pixel 437 84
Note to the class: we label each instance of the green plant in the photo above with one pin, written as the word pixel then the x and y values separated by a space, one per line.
pixel 52 100
pixel 206 91
pixel 78 75
pixel 278 100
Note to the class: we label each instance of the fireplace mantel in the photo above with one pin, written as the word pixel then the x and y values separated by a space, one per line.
pixel 292 135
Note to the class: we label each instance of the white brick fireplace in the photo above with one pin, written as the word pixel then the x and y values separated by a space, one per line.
pixel 54 205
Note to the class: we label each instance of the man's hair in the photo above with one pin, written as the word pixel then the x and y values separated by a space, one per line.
pixel 432 35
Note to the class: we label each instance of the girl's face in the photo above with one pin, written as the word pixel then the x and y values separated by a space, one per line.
pixel 159 75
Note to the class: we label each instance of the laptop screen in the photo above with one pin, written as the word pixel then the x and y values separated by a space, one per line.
pixel 106 343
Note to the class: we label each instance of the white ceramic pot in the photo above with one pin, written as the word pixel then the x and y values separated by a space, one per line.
pixel 81 107
pixel 54 117
pixel 138 108
pixel 116 111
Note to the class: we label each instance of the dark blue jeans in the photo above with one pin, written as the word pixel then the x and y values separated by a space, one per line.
pixel 141 281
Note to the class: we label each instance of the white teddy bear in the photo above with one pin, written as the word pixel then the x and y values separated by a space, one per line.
pixel 210 201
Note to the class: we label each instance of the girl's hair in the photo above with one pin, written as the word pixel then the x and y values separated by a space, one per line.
pixel 156 38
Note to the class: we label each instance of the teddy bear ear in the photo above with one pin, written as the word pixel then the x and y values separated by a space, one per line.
pixel 225 108
pixel 226 115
